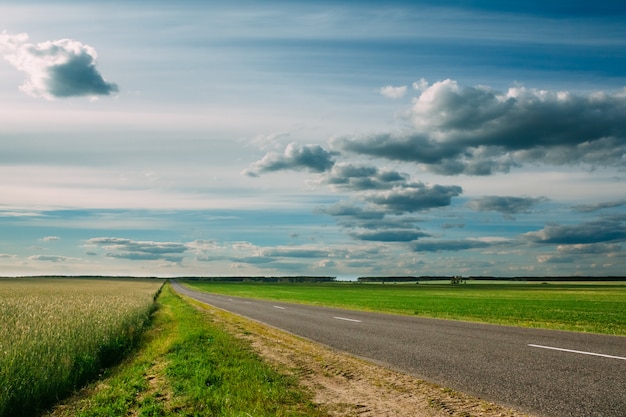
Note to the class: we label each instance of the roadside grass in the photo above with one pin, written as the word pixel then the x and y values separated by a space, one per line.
pixel 578 307
pixel 188 365
pixel 57 334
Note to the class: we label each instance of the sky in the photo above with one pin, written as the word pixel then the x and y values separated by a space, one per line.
pixel 333 138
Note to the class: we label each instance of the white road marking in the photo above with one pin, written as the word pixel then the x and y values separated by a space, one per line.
pixel 282 308
pixel 343 318
pixel 578 351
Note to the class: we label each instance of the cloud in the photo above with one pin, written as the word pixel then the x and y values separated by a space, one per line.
pixel 297 252
pixel 589 208
pixel 415 197
pixel 401 235
pixel 363 177
pixel 599 231
pixel 393 92
pixel 295 157
pixel 55 69
pixel 50 238
pixel 505 205
pixel 50 258
pixel 140 250
pixel 448 245
pixel 480 131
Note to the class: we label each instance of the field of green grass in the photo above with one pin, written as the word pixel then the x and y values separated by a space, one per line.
pixel 583 307
pixel 56 334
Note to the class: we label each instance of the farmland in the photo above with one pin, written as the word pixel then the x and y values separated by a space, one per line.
pixel 584 307
pixel 58 333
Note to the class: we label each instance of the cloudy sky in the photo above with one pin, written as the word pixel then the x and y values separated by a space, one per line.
pixel 330 138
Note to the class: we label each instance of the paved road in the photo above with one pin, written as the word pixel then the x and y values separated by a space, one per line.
pixel 543 372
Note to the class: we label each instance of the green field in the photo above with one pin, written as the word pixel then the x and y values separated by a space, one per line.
pixel 582 307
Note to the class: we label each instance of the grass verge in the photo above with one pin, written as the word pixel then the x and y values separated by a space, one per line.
pixel 189 366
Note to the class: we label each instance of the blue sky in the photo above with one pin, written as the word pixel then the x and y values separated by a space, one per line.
pixel 327 138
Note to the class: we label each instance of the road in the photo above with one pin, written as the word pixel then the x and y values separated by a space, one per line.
pixel 542 372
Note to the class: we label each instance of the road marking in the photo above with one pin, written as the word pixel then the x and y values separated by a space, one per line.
pixel 282 308
pixel 343 318
pixel 578 351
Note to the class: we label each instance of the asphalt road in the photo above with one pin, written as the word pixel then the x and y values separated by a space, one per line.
pixel 542 372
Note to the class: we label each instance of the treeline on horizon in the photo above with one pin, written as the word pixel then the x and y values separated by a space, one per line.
pixel 319 279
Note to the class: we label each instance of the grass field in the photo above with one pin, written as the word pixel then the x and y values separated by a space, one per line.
pixel 596 308
pixel 57 333
pixel 187 365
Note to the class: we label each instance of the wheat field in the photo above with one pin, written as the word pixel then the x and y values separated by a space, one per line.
pixel 56 333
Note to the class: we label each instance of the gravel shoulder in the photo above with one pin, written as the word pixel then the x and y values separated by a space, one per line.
pixel 348 386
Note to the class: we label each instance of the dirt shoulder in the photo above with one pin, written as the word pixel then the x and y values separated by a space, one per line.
pixel 348 386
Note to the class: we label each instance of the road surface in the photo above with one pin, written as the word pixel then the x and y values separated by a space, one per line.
pixel 543 372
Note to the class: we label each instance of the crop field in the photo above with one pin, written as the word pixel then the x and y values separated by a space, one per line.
pixel 55 334
pixel 583 307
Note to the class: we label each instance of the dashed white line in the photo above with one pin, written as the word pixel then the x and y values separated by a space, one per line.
pixel 343 318
pixel 279 307
pixel 578 351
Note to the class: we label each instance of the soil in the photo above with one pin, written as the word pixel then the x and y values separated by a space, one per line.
pixel 348 386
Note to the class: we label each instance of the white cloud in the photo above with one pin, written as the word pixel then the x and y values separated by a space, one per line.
pixel 55 69
pixel 393 92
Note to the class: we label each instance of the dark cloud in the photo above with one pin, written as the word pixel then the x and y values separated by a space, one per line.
pixel 448 245
pixel 480 131
pixel 56 69
pixel 140 250
pixel 363 177
pixel 415 197
pixel 351 211
pixel 505 205
pixel 296 157
pixel 589 208
pixel 599 231
pixel 403 235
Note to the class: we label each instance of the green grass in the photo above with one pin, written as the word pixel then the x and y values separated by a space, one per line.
pixel 563 306
pixel 189 366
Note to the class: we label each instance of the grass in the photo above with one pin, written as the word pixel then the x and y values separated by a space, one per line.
pixel 188 365
pixel 56 334
pixel 562 306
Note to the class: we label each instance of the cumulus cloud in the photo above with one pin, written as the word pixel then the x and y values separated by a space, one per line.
pixel 55 69
pixel 505 205
pixel 295 157
pixel 598 231
pixel 363 177
pixel 50 238
pixel 393 92
pixel 415 197
pixel 480 131
pixel 140 250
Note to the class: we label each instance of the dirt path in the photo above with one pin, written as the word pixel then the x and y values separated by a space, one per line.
pixel 348 386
